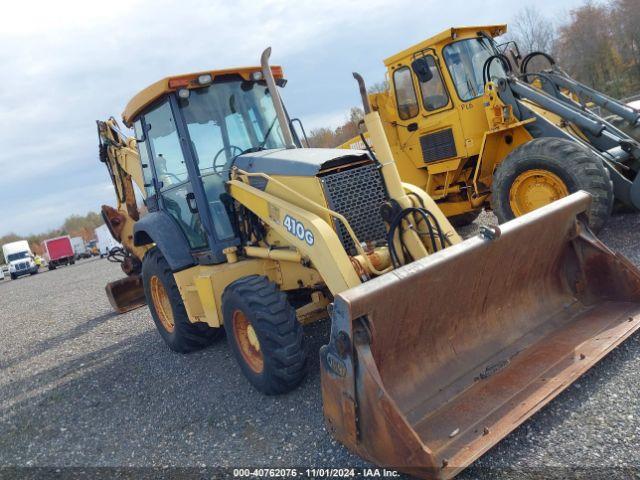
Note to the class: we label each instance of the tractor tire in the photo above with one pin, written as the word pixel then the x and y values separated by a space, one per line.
pixel 168 310
pixel 264 334
pixel 550 168
pixel 464 219
pixel 13 277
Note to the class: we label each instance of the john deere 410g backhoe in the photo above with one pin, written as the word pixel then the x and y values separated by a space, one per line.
pixel 475 128
pixel 438 347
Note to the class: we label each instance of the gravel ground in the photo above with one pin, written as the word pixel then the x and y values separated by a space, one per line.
pixel 82 386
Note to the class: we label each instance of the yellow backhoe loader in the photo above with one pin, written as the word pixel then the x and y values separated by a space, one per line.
pixel 438 347
pixel 475 129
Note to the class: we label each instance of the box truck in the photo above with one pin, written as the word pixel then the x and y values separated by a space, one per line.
pixel 19 257
pixel 80 249
pixel 105 241
pixel 58 251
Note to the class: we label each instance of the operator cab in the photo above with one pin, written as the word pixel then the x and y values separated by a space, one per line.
pixel 189 130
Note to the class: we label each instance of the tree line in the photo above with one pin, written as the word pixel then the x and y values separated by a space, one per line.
pixel 74 226
pixel 598 44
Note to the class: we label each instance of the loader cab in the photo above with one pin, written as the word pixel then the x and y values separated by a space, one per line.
pixel 188 138
pixel 435 110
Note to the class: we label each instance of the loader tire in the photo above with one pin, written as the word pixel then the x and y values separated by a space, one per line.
pixel 168 310
pixel 264 334
pixel 546 169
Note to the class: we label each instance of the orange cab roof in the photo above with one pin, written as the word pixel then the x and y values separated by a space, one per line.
pixel 190 80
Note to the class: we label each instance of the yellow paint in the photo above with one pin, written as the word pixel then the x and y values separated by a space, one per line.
pixel 533 189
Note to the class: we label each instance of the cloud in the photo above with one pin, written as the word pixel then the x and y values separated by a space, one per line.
pixel 67 63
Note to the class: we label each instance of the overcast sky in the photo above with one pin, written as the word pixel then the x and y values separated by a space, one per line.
pixel 65 64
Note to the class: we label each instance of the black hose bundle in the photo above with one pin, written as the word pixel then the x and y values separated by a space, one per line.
pixel 428 218
pixel 117 255
pixel 486 68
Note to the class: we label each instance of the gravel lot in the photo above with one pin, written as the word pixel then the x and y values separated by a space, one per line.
pixel 82 386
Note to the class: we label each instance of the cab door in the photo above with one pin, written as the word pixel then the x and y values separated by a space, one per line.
pixel 429 134
pixel 172 183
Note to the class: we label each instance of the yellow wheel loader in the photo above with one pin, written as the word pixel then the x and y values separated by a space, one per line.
pixel 249 234
pixel 473 131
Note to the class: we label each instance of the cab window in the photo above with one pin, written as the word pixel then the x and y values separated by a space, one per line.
pixel 465 60
pixel 163 137
pixel 405 93
pixel 434 94
pixel 147 173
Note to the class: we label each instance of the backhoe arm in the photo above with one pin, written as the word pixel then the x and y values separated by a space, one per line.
pixel 118 152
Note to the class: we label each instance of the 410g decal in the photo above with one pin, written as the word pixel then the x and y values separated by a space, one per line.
pixel 296 228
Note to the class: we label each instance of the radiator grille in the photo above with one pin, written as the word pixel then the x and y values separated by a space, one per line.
pixel 438 145
pixel 357 194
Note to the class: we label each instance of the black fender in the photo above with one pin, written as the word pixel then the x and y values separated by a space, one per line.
pixel 161 229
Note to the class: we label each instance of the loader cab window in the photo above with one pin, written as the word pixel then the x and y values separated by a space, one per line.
pixel 224 120
pixel 465 60
pixel 434 94
pixel 147 173
pixel 405 93
pixel 172 179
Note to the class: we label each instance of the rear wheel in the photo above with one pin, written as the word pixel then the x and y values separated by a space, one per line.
pixel 264 334
pixel 168 310
pixel 545 170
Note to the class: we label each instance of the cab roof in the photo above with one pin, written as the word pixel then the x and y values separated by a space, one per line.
pixel 446 36
pixel 160 88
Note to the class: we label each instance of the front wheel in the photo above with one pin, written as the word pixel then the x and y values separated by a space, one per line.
pixel 168 310
pixel 544 170
pixel 264 334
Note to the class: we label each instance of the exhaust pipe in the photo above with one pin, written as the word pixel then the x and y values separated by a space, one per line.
pixel 277 101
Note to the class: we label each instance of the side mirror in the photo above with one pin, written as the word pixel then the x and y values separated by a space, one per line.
pixel 422 69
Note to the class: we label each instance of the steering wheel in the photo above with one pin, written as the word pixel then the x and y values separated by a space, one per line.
pixel 219 167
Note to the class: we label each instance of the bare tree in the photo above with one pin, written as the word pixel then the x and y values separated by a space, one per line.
pixel 531 30
pixel 587 49
pixel 378 87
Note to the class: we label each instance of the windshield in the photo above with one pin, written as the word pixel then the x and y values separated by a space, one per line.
pixel 465 60
pixel 12 257
pixel 227 118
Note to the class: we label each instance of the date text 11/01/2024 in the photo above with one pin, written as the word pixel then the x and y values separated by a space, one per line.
pixel 314 473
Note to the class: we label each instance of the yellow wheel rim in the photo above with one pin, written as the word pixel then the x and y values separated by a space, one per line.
pixel 534 189
pixel 247 341
pixel 162 304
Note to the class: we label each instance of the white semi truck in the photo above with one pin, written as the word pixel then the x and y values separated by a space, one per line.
pixel 20 259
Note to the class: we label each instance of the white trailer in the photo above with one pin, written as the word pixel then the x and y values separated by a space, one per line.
pixel 105 241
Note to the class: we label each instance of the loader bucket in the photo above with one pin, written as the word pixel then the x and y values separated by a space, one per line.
pixel 126 294
pixel 432 364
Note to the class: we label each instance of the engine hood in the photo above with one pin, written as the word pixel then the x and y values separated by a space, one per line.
pixel 303 162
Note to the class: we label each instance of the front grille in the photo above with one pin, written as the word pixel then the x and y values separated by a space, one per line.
pixel 22 266
pixel 357 194
pixel 438 145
